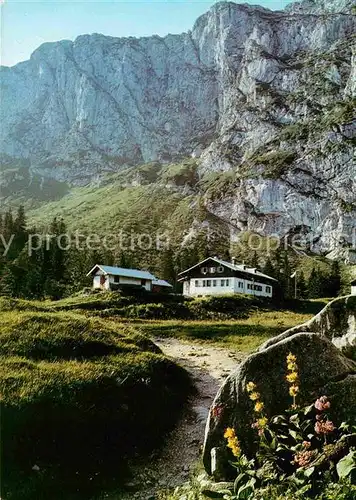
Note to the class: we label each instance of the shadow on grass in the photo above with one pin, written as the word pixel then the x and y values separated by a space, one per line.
pixel 214 332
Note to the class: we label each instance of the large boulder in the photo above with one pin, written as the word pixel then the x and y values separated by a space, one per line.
pixel 337 322
pixel 323 370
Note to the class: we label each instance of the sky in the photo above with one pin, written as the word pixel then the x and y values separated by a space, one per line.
pixel 26 24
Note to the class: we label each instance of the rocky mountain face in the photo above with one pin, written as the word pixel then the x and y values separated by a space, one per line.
pixel 264 101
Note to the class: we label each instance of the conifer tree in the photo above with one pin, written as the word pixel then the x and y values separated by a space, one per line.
pixel 334 285
pixel 302 291
pixel 316 284
pixel 254 260
pixel 269 269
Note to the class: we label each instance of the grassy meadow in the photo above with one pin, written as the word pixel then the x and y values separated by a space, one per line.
pixel 79 397
pixel 84 389
pixel 240 334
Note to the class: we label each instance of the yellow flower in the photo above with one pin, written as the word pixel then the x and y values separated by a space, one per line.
pixel 250 387
pixel 262 422
pixel 259 406
pixel 292 367
pixel 229 433
pixel 232 441
pixel 293 390
pixel 291 358
pixel 236 451
pixel 234 445
pixel 292 377
pixel 255 396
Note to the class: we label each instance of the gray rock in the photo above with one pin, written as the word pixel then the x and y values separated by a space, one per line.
pixel 222 93
pixel 337 322
pixel 323 370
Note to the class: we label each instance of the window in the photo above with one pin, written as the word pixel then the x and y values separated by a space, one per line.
pixel 268 289
pixel 248 286
pixel 212 270
pixel 227 282
pixel 204 270
pixel 196 283
pixel 214 282
pixel 143 282
pixel 116 279
pixel 220 270
pixel 222 282
pixel 241 285
pixel 204 283
pixel 208 282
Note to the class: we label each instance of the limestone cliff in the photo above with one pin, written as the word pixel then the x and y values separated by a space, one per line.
pixel 264 100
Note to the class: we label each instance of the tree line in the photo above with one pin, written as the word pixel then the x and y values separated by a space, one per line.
pixel 50 270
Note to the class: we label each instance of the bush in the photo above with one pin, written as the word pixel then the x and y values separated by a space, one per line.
pixel 225 306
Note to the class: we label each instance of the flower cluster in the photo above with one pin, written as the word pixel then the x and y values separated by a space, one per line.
pixel 323 425
pixel 217 411
pixel 261 421
pixel 292 376
pixel 322 403
pixel 232 441
pixel 303 458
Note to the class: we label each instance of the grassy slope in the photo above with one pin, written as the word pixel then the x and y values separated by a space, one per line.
pixel 138 199
pixel 74 390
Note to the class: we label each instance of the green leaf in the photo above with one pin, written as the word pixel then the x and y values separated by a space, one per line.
pixel 346 465
pixel 308 472
pixel 308 409
pixel 294 434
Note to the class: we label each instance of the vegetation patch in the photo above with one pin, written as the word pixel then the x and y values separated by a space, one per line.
pixel 276 163
pixel 78 398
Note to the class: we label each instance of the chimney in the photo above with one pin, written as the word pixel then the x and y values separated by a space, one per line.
pixel 233 261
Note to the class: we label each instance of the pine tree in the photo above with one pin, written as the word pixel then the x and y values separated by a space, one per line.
pixel 20 231
pixel 269 269
pixel 302 291
pixel 315 284
pixel 168 267
pixel 254 260
pixel 334 285
pixel 11 283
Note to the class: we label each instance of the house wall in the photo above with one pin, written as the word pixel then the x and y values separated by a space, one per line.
pixel 99 275
pixel 353 290
pixel 235 285
pixel 123 280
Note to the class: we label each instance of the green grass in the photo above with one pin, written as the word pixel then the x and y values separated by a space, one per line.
pixel 242 334
pixel 78 397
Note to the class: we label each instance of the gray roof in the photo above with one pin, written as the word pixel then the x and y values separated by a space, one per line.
pixel 235 267
pixel 122 271
pixel 161 283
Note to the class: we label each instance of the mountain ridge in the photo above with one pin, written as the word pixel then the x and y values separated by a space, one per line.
pixel 262 99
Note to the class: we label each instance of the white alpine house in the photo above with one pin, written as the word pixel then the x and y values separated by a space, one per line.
pixel 214 276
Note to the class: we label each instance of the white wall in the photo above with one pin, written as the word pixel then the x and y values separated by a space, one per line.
pixel 211 290
pixel 123 281
pixel 353 290
pixel 96 281
pixel 190 288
